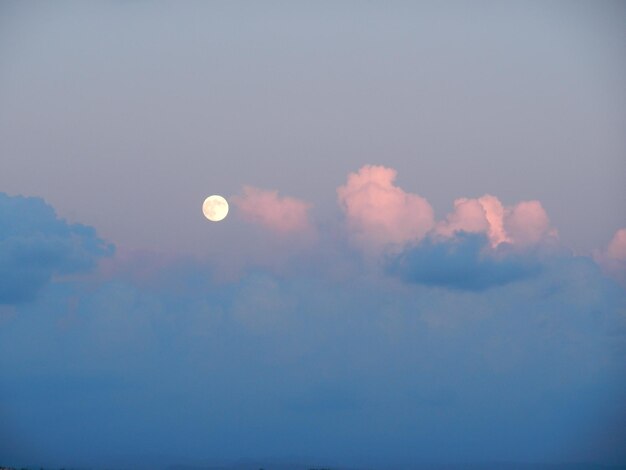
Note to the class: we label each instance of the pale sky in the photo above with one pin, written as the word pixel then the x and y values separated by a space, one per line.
pixel 125 115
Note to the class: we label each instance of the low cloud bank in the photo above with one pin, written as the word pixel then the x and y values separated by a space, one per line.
pixel 459 346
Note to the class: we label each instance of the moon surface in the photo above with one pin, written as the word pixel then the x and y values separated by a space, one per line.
pixel 215 208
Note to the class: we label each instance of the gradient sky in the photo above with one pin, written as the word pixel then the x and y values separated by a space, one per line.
pixel 425 259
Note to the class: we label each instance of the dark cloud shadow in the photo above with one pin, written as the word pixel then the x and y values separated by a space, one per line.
pixel 461 263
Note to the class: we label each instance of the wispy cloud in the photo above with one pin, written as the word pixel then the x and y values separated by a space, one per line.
pixel 281 214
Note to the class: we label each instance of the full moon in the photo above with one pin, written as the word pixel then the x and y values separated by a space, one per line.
pixel 215 208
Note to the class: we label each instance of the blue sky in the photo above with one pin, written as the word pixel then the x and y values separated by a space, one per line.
pixel 424 259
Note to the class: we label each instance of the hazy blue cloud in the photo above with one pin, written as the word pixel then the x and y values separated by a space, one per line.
pixel 324 354
pixel 352 366
pixel 35 245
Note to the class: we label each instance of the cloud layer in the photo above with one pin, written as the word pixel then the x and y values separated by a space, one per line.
pixel 358 369
pixel 464 340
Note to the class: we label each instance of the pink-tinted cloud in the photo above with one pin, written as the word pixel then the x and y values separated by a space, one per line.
pixel 613 258
pixel 282 215
pixel 522 225
pixel 380 214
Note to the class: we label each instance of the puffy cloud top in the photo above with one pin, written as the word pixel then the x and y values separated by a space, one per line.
pixel 380 214
pixel 283 215
pixel 35 244
pixel 527 223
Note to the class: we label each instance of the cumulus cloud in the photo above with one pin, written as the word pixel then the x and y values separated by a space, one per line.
pixel 280 214
pixel 35 244
pixel 613 257
pixel 476 246
pixel 381 217
pixel 381 214
pixel 462 262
